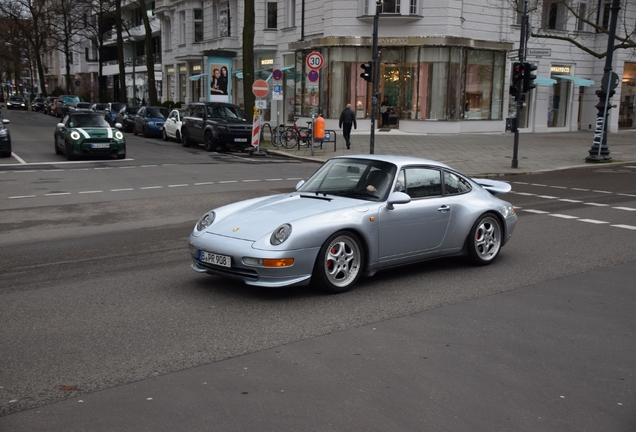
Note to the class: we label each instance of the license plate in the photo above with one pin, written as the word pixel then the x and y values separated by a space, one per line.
pixel 240 139
pixel 216 259
pixel 100 145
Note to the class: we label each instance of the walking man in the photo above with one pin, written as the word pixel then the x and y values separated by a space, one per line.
pixel 347 119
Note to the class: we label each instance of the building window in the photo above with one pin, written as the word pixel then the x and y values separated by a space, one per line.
pixel 290 13
pixel 272 15
pixel 182 28
pixel 198 25
pixel 167 34
pixel 413 7
pixel 391 7
pixel 224 20
pixel 607 4
pixel 554 15
pixel 582 15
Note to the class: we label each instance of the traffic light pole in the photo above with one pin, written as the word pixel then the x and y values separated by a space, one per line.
pixel 374 103
pixel 519 101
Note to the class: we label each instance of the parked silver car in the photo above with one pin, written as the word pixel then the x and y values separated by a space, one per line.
pixel 355 216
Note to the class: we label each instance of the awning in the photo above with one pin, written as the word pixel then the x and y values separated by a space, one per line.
pixel 577 80
pixel 239 73
pixel 539 80
pixel 197 77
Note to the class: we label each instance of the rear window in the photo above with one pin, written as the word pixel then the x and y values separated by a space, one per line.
pixel 71 99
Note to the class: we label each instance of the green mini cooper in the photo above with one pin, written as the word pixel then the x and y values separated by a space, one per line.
pixel 88 134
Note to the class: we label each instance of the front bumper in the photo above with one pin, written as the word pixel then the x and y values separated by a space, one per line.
pixel 298 274
pixel 5 144
pixel 94 148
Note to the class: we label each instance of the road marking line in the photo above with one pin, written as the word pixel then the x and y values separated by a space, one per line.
pixel 147 166
pixel 525 193
pixel 518 182
pixel 121 190
pixel 600 191
pixel 596 204
pixel 293 178
pixel 229 181
pixel 178 185
pixel 91 192
pixel 127 167
pixel 629 227
pixel 593 221
pixel 570 200
pixel 536 211
pixel 53 170
pixel 249 181
pixel 57 193
pixel 562 216
pixel 625 208
pixel 22 161
pixel 546 196
pixel 203 183
pixel 580 189
pixel 103 168
pixel 280 179
pixel 558 187
pixel 22 196
pixel 627 195
pixel 537 184
pixel 151 187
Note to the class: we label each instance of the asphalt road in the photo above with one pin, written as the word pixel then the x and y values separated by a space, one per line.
pixel 97 292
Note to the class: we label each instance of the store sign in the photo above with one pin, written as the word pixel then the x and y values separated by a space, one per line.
pixel 171 70
pixel 267 62
pixel 196 68
pixel 561 69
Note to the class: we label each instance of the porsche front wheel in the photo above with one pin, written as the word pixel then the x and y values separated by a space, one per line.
pixel 339 263
pixel 484 241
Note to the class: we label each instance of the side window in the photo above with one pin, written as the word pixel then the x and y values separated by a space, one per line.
pixel 199 111
pixel 454 184
pixel 423 182
pixel 400 184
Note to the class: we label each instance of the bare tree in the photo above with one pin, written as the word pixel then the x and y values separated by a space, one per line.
pixel 150 58
pixel 120 52
pixel 248 56
pixel 32 18
pixel 67 28
pixel 592 17
pixel 98 26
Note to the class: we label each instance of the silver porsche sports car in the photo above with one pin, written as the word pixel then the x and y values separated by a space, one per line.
pixel 356 215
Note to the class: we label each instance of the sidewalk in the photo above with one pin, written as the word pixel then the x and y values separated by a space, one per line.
pixel 478 154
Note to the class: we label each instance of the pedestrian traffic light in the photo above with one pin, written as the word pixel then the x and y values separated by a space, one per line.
pixel 529 77
pixel 517 74
pixel 368 71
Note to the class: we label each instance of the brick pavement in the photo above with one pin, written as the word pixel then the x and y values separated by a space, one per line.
pixel 479 154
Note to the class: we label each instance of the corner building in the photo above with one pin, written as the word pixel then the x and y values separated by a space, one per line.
pixel 444 67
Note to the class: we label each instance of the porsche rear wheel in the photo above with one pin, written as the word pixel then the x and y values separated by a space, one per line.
pixel 485 238
pixel 339 263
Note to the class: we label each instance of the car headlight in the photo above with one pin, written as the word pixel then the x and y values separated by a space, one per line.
pixel 3 133
pixel 119 135
pixel 205 221
pixel 75 135
pixel 280 234
pixel 221 127
pixel 151 123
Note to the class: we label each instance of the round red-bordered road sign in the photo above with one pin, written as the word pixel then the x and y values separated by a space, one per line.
pixel 260 88
pixel 315 60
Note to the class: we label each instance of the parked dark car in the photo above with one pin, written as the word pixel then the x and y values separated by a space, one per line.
pixel 17 102
pixel 149 120
pixel 84 107
pixel 66 104
pixel 111 111
pixel 126 116
pixel 5 138
pixel 47 104
pixel 215 124
pixel 37 104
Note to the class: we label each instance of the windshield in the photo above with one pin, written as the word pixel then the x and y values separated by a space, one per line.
pixel 369 180
pixel 71 99
pixel 225 111
pixel 16 99
pixel 84 105
pixel 157 112
pixel 91 120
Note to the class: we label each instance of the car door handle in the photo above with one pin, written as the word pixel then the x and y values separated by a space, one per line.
pixel 444 209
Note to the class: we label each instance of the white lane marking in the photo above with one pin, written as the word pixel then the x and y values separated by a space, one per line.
pixel 537 184
pixel 536 211
pixel 562 216
pixel 60 162
pixel 148 166
pixel 596 204
pixel 546 196
pixel 53 170
pixel 625 208
pixel 581 189
pixel 228 181
pixel 121 190
pixel 22 161
pixel 274 179
pixel 600 191
pixel 629 227
pixel 593 221
pixel 22 196
pixel 627 195
pixel 524 193
pixel 127 167
pixel 57 193
pixel 294 178
pixel 91 192
pixel 518 182
pixel 178 185
pixel 570 200
pixel 104 168
pixel 249 181
pixel 151 187
pixel 558 187
pixel 203 183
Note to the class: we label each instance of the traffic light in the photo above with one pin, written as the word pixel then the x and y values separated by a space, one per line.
pixel 517 74
pixel 368 71
pixel 529 77
pixel 515 91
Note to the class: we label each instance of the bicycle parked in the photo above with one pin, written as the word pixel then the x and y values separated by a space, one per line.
pixel 290 136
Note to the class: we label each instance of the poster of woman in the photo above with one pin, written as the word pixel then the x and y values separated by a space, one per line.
pixel 219 81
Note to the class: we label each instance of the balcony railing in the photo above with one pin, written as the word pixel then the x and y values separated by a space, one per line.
pixel 136 61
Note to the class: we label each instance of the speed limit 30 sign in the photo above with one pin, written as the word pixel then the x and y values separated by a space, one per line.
pixel 315 60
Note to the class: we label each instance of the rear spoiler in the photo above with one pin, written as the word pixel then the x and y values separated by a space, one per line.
pixel 493 186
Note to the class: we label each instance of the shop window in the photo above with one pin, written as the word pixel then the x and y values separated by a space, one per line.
pixel 272 15
pixel 198 24
pixel 559 96
pixel 479 74
pixel 554 15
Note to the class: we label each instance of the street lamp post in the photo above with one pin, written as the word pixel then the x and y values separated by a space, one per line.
pixel 600 151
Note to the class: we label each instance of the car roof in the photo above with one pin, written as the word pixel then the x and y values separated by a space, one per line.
pixel 397 160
